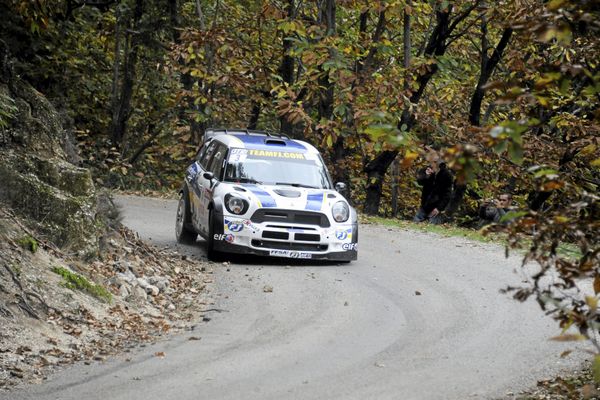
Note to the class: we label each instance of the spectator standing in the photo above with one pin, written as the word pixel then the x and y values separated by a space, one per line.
pixel 436 181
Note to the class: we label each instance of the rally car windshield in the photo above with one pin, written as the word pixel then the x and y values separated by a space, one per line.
pixel 274 167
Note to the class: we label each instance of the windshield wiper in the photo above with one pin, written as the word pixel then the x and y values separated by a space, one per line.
pixel 297 185
pixel 244 180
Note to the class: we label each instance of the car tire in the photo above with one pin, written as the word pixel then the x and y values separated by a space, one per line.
pixel 183 220
pixel 211 253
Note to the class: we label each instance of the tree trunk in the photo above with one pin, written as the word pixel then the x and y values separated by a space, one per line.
pixel 286 69
pixel 376 173
pixel 406 44
pixel 115 83
pixel 187 81
pixel 378 167
pixel 488 65
pixel 122 110
pixel 254 116
pixel 326 97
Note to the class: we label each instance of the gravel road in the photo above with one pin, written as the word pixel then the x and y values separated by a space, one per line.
pixel 418 316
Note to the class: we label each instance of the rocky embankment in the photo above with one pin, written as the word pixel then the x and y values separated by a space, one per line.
pixel 56 309
pixel 74 284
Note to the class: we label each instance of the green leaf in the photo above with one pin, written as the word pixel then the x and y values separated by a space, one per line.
pixel 548 172
pixel 515 153
pixel 378 131
pixel 500 147
pixel 509 216
pixel 329 141
pixel 596 368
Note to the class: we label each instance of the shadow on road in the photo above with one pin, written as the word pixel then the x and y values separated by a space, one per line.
pixel 198 250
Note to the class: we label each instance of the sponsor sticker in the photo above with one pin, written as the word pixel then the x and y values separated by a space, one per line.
pixel 238 155
pixel 250 225
pixel 234 226
pixel 222 237
pixel 350 246
pixel 343 234
pixel 290 254
pixel 277 154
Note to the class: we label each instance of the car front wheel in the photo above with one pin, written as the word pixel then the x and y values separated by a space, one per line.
pixel 183 233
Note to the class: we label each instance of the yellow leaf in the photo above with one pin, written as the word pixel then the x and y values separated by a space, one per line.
pixel 592 302
pixel 409 157
pixel 565 353
pixel 595 163
pixel 589 149
pixel 555 4
pixel 552 185
pixel 597 284
pixel 568 337
pixel 329 141
pixel 596 368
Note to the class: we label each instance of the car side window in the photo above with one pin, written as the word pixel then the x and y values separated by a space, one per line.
pixel 216 164
pixel 205 158
pixel 201 153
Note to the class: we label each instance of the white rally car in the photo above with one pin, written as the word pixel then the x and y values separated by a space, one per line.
pixel 259 193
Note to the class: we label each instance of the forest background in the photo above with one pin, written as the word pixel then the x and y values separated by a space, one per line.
pixel 507 92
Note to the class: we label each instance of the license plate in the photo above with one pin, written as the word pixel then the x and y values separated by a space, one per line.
pixel 289 254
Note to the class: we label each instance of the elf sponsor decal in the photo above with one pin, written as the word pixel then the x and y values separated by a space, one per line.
pixel 277 154
pixel 343 234
pixel 222 237
pixel 290 254
pixel 350 246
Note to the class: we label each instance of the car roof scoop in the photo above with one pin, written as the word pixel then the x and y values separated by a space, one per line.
pixel 276 142
pixel 287 193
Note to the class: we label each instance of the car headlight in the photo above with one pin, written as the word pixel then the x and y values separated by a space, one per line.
pixel 236 205
pixel 340 211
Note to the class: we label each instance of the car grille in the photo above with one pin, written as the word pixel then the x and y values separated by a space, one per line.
pixel 275 235
pixel 270 244
pixel 307 237
pixel 290 217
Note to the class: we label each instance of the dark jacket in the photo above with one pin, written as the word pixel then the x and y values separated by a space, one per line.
pixel 437 189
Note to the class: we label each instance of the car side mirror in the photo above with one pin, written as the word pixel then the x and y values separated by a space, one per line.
pixel 211 178
pixel 341 187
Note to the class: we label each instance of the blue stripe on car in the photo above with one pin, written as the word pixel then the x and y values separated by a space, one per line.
pixel 258 142
pixel 314 201
pixel 265 199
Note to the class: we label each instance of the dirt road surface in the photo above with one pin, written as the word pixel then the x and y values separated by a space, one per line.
pixel 418 316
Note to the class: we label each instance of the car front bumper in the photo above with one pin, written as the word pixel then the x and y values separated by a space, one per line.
pixel 233 234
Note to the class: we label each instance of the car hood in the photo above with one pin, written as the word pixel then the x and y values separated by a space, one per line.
pixel 291 197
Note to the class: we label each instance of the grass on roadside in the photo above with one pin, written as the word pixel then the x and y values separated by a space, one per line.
pixel 565 249
pixel 443 230
pixel 75 281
